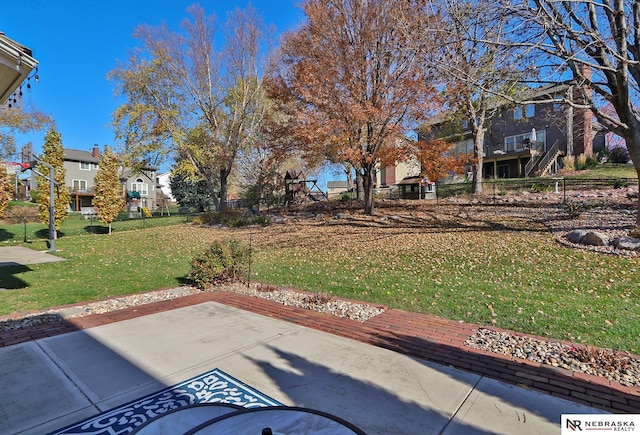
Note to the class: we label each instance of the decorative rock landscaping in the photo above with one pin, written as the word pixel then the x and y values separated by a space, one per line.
pixel 614 366
pixel 597 238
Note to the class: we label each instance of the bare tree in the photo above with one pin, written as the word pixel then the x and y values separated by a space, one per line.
pixel 16 120
pixel 186 98
pixel 475 68
pixel 351 82
pixel 595 45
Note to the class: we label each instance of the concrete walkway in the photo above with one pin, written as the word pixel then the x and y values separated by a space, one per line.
pixel 87 365
pixel 21 256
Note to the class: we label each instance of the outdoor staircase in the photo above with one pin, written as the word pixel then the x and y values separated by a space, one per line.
pixel 532 164
pixel 541 164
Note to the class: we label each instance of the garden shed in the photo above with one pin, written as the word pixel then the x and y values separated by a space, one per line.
pixel 417 188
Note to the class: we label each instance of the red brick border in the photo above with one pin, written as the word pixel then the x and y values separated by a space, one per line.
pixel 427 337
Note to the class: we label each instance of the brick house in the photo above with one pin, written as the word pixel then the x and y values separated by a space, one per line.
pixel 526 140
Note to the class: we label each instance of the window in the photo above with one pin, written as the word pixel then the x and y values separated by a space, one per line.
pixel 94 166
pixel 517 112
pixel 79 185
pixel 85 166
pixel 140 187
pixel 517 143
pixel 462 147
pixel 527 111
pixel 530 110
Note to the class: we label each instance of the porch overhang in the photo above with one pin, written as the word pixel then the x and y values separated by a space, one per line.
pixel 16 63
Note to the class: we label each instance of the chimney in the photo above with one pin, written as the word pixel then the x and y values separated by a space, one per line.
pixel 95 152
pixel 583 118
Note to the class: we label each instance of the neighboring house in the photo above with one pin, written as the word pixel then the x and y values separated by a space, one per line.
pixel 526 140
pixel 81 168
pixel 391 175
pixel 164 183
pixel 141 189
pixel 335 188
pixel 403 176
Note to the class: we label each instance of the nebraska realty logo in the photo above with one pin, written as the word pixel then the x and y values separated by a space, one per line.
pixel 600 423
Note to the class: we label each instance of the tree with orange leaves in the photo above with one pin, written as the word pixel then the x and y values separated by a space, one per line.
pixel 436 160
pixel 349 84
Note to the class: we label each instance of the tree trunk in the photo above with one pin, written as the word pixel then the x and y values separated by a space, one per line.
pixel 222 204
pixel 367 184
pixel 633 146
pixel 359 186
pixel 638 204
pixel 224 188
pixel 349 172
pixel 476 184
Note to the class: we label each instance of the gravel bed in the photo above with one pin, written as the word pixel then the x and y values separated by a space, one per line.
pixel 30 320
pixel 615 366
pixel 317 302
pixel 99 307
pixel 321 303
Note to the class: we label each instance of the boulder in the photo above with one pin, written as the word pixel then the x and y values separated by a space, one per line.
pixel 276 219
pixel 628 243
pixel 595 238
pixel 576 236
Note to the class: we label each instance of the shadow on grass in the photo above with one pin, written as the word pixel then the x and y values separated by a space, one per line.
pixel 44 234
pixel 6 235
pixel 96 229
pixel 530 217
pixel 8 280
pixel 438 223
pixel 184 281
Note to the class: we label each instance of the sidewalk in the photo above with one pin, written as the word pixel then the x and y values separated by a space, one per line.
pixel 396 373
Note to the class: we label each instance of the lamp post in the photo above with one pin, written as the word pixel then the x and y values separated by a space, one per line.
pixel 52 211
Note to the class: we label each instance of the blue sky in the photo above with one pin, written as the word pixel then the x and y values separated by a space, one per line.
pixel 77 43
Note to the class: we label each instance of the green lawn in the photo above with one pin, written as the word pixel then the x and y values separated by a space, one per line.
pixel 75 225
pixel 511 275
pixel 512 279
pixel 101 266
pixel 501 271
pixel 608 170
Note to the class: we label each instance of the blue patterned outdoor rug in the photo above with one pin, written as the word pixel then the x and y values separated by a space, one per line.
pixel 214 386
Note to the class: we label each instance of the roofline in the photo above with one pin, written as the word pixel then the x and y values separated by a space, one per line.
pixel 17 58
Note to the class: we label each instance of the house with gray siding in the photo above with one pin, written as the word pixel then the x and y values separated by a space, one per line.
pixel 81 168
